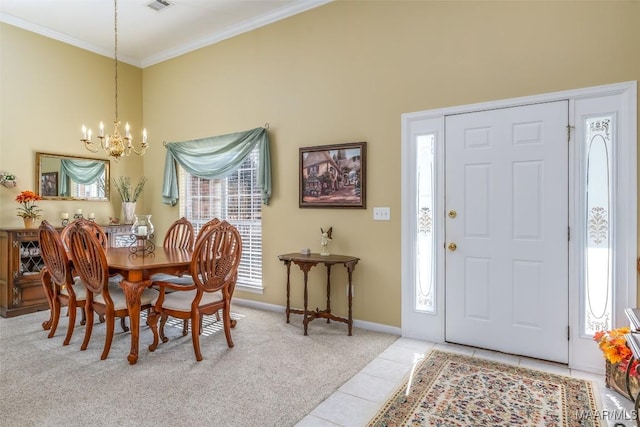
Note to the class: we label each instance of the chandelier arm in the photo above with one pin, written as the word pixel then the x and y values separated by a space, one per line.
pixel 89 146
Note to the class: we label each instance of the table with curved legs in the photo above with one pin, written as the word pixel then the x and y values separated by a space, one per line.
pixel 306 262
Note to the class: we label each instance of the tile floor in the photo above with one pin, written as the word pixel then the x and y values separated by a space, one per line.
pixel 360 398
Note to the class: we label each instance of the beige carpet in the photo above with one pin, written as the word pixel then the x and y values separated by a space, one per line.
pixel 451 390
pixel 273 376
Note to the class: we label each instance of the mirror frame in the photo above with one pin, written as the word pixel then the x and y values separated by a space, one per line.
pixel 107 177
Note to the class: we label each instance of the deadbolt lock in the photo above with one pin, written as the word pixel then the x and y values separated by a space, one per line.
pixel 452 214
pixel 452 246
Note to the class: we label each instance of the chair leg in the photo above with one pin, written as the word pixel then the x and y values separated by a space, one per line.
pixel 227 326
pixel 163 320
pixel 195 334
pixel 185 327
pixel 110 321
pixel 55 317
pixel 83 321
pixel 71 312
pixel 87 331
pixel 152 321
pixel 46 285
pixel 123 324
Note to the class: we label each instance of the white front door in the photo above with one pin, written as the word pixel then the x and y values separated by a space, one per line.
pixel 506 232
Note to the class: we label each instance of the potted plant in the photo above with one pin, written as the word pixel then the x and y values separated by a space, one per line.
pixel 620 373
pixel 129 196
pixel 7 179
pixel 28 210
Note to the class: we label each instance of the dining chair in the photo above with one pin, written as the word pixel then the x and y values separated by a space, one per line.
pixel 214 270
pixel 61 288
pixel 90 261
pixel 180 235
pixel 115 279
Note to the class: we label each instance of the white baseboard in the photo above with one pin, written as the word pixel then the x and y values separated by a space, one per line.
pixel 377 327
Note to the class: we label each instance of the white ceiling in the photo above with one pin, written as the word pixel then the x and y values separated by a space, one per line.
pixel 146 36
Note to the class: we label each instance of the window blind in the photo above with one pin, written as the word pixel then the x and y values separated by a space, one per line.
pixel 236 199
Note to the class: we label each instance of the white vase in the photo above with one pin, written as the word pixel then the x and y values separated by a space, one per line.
pixel 127 212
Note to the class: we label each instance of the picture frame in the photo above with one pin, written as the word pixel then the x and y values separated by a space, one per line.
pixel 49 184
pixel 333 176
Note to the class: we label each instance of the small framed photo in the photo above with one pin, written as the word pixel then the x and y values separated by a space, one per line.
pixel 49 184
pixel 333 176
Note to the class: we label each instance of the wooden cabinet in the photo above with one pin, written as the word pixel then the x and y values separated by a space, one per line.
pixel 119 235
pixel 20 264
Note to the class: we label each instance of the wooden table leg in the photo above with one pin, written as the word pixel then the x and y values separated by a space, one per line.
pixel 133 292
pixel 305 321
pixel 288 310
pixel 305 267
pixel 328 291
pixel 350 267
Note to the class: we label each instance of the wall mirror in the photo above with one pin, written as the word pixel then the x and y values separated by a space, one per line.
pixel 63 177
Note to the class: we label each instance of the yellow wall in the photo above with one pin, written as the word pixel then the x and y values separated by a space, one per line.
pixel 343 72
pixel 48 89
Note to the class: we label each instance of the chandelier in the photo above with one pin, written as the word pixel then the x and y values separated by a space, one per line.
pixel 115 145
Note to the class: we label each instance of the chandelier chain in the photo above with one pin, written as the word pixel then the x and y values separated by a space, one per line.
pixel 115 56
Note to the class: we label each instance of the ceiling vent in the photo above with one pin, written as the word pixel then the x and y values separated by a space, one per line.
pixel 159 5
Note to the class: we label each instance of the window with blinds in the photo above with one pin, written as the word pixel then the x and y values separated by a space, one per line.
pixel 236 199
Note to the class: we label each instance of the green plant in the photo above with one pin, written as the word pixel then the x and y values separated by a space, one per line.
pixel 126 191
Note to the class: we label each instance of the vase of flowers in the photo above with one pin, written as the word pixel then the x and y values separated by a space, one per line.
pixel 28 209
pixel 621 373
pixel 129 196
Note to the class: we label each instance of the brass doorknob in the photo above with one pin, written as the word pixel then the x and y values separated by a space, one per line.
pixel 452 214
pixel 452 246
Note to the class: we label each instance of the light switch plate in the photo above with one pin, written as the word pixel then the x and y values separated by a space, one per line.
pixel 382 214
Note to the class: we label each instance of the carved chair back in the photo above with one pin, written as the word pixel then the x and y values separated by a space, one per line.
pixel 99 232
pixel 89 258
pixel 180 235
pixel 54 255
pixel 216 259
pixel 206 227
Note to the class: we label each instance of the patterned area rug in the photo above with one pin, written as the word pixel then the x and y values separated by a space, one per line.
pixel 450 390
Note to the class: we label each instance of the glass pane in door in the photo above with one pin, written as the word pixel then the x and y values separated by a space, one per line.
pixel 425 263
pixel 598 262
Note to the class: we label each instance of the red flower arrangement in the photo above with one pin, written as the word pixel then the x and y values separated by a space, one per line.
pixel 28 209
pixel 614 348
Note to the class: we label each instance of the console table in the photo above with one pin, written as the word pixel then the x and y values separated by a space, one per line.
pixel 306 262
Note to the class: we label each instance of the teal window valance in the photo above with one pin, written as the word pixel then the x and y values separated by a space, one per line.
pixel 81 171
pixel 217 157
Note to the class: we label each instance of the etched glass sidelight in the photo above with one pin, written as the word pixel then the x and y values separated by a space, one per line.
pixel 425 263
pixel 598 262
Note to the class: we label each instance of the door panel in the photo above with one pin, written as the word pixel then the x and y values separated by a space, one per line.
pixel 506 283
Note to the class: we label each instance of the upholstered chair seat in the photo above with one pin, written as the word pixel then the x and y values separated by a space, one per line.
pixel 181 301
pixel 79 289
pixel 120 301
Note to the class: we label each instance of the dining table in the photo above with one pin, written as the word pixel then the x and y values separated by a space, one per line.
pixel 136 270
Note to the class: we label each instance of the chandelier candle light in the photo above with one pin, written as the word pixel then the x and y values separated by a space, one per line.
pixel 115 145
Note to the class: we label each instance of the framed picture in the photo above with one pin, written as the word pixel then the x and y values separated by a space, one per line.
pixel 333 176
pixel 49 184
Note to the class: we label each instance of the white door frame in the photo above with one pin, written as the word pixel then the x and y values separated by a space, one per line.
pixel 430 326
